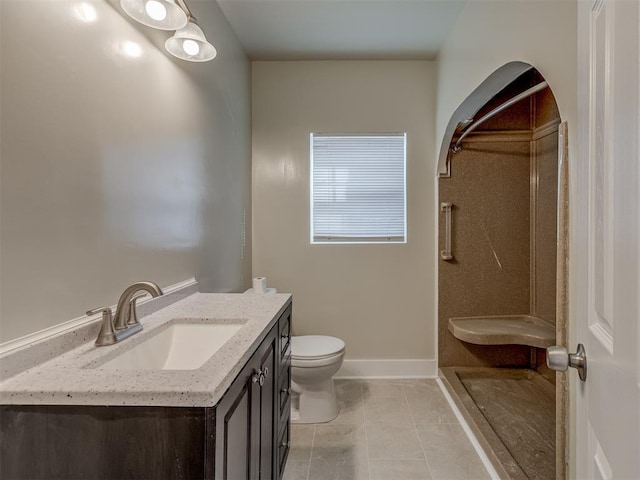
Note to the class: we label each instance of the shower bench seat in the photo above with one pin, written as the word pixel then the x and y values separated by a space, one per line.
pixel 504 330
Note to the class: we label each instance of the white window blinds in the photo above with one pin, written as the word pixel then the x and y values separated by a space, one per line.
pixel 358 188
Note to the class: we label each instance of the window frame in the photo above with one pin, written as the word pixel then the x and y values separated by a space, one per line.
pixel 357 240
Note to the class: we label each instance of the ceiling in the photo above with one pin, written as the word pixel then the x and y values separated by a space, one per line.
pixel 341 29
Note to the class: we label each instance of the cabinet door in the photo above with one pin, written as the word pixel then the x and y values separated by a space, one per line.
pixel 236 449
pixel 268 418
pixel 247 418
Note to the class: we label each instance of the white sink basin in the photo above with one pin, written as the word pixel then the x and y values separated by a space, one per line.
pixel 180 346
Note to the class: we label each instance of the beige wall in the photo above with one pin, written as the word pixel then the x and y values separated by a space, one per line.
pixel 116 169
pixel 378 298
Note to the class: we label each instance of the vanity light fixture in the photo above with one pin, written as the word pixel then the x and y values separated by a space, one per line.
pixel 188 42
pixel 160 14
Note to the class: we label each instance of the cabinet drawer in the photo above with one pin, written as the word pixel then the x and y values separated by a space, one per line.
pixel 284 327
pixel 285 359
pixel 284 390
pixel 283 449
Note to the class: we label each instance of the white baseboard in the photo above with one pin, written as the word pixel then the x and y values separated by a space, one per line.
pixel 388 369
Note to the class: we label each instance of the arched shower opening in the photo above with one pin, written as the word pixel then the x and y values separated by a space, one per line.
pixel 502 280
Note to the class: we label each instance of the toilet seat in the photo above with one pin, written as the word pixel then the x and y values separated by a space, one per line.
pixel 302 362
pixel 315 347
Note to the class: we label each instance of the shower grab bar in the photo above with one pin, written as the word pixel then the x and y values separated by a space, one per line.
pixel 471 126
pixel 447 254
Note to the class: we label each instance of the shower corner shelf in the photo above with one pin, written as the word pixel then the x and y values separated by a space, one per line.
pixel 504 330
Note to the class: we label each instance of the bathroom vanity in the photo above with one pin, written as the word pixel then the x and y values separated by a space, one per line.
pixel 228 419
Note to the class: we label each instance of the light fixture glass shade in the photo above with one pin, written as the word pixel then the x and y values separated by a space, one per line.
pixel 160 14
pixel 189 43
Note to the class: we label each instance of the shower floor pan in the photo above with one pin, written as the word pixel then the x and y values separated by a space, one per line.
pixel 512 413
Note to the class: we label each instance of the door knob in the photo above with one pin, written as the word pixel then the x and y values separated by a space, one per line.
pixel 560 360
pixel 260 375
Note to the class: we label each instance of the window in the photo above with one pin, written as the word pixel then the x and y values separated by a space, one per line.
pixel 358 192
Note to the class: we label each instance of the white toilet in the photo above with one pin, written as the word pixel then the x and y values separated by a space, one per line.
pixel 314 361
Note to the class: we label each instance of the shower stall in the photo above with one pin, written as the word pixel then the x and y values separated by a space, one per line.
pixel 502 270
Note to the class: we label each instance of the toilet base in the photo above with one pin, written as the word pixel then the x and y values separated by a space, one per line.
pixel 315 403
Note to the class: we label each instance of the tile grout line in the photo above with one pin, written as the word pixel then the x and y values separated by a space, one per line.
pixel 415 428
pixel 364 425
pixel 313 442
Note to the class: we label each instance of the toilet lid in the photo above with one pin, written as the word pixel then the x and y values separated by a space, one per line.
pixel 315 346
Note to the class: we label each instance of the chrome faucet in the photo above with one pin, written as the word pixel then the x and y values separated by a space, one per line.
pixel 125 311
pixel 125 322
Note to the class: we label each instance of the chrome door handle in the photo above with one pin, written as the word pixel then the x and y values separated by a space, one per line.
pixel 260 375
pixel 560 360
pixel 263 375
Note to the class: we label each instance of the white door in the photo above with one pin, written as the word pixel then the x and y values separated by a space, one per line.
pixel 605 223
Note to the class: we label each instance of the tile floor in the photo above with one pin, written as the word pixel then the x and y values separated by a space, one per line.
pixel 386 430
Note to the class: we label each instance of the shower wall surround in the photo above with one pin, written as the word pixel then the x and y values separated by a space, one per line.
pixel 503 186
pixel 544 201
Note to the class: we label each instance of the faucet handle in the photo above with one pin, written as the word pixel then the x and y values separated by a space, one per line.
pixel 107 335
pixel 95 311
pixel 133 316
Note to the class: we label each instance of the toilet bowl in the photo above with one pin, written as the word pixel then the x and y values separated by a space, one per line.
pixel 314 361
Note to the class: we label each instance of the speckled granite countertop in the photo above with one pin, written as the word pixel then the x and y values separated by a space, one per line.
pixel 75 377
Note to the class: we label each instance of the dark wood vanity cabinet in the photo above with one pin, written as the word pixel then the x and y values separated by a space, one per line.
pixel 244 437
